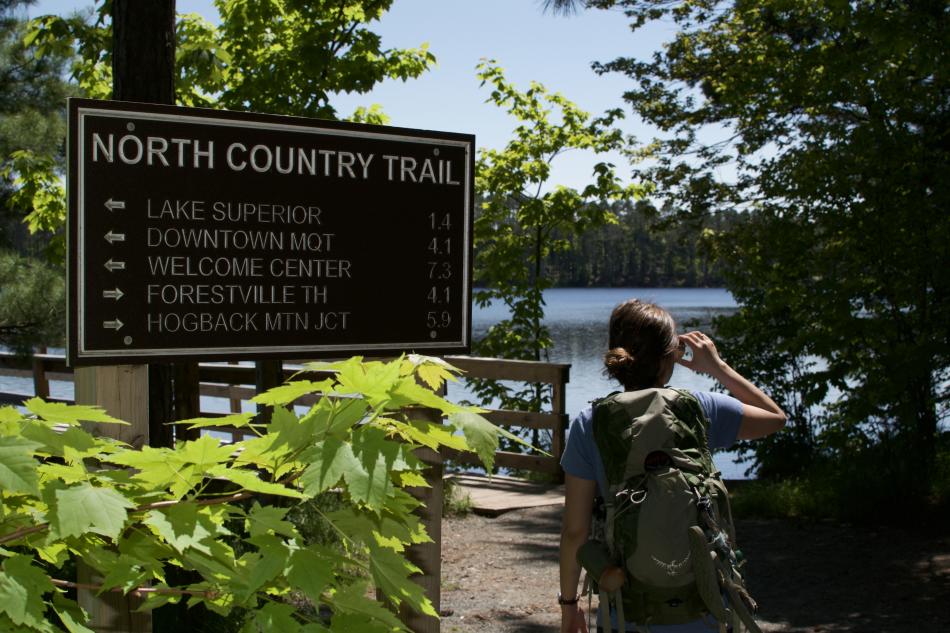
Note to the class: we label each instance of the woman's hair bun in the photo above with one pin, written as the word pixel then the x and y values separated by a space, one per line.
pixel 619 361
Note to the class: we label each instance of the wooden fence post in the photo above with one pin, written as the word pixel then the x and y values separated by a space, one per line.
pixel 428 556
pixel 122 390
pixel 559 435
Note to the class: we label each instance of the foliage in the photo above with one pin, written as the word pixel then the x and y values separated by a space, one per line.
pixel 32 93
pixel 32 303
pixel 791 498
pixel 38 191
pixel 519 223
pixel 827 123
pixel 859 491
pixel 455 501
pixel 641 250
pixel 277 56
pixel 203 506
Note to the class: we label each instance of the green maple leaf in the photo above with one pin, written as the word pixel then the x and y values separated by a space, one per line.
pixel 237 420
pixel 250 480
pixel 289 431
pixel 329 461
pixel 85 508
pixel 160 468
pixel 55 553
pixel 345 413
pixel 127 573
pixel 218 565
pixel 73 444
pixel 22 587
pixel 263 452
pixel 285 394
pixel 72 414
pixel 267 520
pixel 70 474
pixel 373 379
pixel 379 457
pixel 410 393
pixel 391 572
pixel 10 415
pixel 412 479
pixel 71 614
pixel 7 626
pixel 434 375
pixel 273 617
pixel 204 452
pixel 185 526
pixel 480 434
pixel 431 435
pixel 349 622
pixel 17 466
pixel 262 566
pixel 310 570
pixel 393 528
pixel 361 614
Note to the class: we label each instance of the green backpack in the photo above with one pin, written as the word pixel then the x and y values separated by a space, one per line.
pixel 667 523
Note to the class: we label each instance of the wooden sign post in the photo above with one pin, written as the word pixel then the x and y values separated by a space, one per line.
pixel 143 69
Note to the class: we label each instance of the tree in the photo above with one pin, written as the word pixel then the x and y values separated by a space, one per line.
pixel 641 250
pixel 32 303
pixel 32 93
pixel 520 222
pixel 827 123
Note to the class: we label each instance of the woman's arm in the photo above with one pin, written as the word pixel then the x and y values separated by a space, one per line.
pixel 760 415
pixel 578 508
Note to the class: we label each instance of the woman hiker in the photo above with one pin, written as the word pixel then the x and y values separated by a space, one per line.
pixel 643 347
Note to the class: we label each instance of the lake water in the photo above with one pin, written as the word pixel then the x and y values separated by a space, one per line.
pixel 578 319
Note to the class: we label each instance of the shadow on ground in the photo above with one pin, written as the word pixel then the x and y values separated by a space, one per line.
pixel 807 577
pixel 831 577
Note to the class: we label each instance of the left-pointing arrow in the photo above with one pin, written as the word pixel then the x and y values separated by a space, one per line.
pixel 112 205
pixel 113 294
pixel 112 238
pixel 112 325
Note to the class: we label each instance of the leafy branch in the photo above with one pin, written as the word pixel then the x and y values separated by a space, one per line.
pixel 62 497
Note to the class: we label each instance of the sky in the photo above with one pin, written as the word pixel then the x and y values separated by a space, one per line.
pixel 528 43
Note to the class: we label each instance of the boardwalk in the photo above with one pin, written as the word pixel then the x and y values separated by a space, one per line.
pixel 499 494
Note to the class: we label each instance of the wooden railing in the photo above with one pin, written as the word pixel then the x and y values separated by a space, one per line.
pixel 554 421
pixel 236 383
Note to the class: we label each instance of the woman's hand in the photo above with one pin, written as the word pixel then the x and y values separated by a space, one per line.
pixel 760 415
pixel 705 358
pixel 573 619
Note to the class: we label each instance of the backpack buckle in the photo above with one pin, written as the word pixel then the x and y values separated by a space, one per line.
pixel 636 497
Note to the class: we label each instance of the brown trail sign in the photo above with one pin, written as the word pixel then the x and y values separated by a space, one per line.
pixel 221 235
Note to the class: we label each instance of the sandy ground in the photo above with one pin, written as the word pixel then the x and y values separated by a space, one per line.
pixel 499 575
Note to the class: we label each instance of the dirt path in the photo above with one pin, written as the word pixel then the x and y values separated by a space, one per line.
pixel 499 575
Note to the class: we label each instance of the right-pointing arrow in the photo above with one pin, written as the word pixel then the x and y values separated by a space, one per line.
pixel 113 294
pixel 112 205
pixel 113 325
pixel 112 265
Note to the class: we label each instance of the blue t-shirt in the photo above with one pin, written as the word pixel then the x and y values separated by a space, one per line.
pixel 582 459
